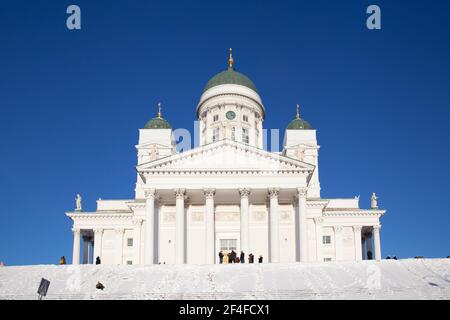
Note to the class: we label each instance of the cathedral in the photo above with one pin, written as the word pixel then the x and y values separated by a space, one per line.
pixel 227 194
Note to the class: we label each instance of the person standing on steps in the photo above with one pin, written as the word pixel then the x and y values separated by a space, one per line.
pixel 233 256
pixel 97 260
pixel 242 257
pixel 220 257
pixel 260 259
pixel 251 258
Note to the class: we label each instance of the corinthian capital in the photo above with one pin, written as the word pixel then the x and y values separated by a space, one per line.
pixel 150 193
pixel 302 192
pixel 273 192
pixel 377 228
pixel 318 220
pixel 180 193
pixel 209 193
pixel 338 229
pixel 357 228
pixel 137 222
pixel 244 192
pixel 76 231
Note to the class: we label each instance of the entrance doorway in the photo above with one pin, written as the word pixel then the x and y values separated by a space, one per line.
pixel 226 246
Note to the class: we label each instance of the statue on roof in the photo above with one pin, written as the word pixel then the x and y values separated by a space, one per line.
pixel 78 206
pixel 373 201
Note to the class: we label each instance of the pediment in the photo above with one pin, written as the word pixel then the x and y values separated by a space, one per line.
pixel 226 155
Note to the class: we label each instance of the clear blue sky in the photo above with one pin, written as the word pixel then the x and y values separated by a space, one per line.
pixel 72 102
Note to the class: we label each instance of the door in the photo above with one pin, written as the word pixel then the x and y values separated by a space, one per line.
pixel 226 246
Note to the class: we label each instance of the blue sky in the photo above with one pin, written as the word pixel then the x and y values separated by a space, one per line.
pixel 72 102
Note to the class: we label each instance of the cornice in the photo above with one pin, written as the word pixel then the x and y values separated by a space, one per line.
pixel 224 172
pixel 353 212
pixel 313 203
pixel 99 215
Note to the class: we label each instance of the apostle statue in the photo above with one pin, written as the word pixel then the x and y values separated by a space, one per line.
pixel 300 153
pixel 154 153
pixel 78 203
pixel 373 201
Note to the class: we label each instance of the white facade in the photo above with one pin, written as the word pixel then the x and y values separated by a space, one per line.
pixel 228 193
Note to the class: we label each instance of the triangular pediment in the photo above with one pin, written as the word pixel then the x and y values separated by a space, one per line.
pixel 226 155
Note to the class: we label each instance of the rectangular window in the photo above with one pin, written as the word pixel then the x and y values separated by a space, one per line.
pixel 228 244
pixel 129 262
pixel 215 134
pixel 233 133
pixel 326 259
pixel 216 117
pixel 245 136
pixel 245 118
pixel 326 239
pixel 130 242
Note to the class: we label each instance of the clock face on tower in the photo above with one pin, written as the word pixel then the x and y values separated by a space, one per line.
pixel 230 115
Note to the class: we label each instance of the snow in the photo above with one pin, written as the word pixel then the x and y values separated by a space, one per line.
pixel 388 279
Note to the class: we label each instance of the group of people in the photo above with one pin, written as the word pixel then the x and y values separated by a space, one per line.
pixel 231 257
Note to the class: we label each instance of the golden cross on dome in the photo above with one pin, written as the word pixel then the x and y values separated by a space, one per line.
pixel 230 59
pixel 159 109
pixel 297 116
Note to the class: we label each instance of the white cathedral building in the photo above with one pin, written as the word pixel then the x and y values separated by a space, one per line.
pixel 226 194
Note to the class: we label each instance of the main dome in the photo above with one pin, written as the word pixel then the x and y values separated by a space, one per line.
pixel 230 76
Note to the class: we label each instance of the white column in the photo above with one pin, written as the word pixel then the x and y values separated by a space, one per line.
pixel 260 129
pixel 319 239
pixel 180 227
pixel 368 239
pixel 76 246
pixel 210 226
pixel 274 226
pixel 358 247
pixel 86 249
pixel 302 221
pixel 119 245
pixel 137 225
pixel 376 242
pixel 98 240
pixel 245 231
pixel 338 242
pixel 149 240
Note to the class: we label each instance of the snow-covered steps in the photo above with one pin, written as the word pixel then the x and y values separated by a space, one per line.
pixel 388 279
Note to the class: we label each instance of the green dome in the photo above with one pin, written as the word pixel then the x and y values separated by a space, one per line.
pixel 230 76
pixel 158 123
pixel 299 124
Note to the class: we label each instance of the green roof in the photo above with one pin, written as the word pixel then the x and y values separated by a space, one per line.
pixel 158 123
pixel 299 124
pixel 230 76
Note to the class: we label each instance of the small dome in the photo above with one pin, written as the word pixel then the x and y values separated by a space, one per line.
pixel 230 76
pixel 299 123
pixel 158 122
